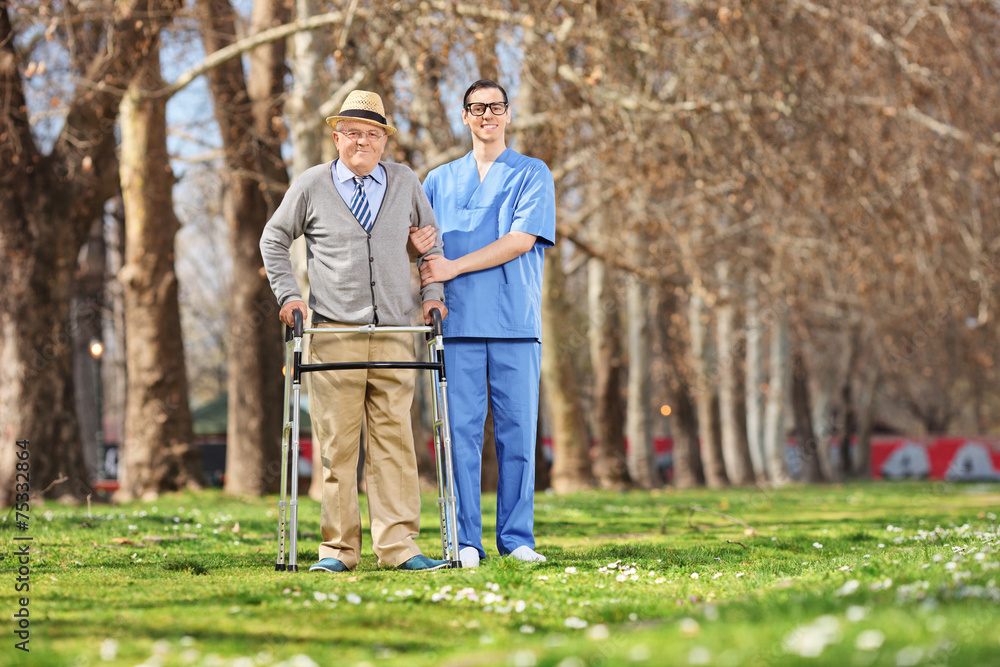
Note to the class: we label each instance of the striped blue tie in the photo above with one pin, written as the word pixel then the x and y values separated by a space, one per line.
pixel 359 204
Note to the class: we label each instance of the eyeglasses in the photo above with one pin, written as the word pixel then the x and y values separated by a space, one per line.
pixel 478 108
pixel 354 135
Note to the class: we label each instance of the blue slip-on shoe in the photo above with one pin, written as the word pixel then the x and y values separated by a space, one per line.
pixel 328 565
pixel 422 562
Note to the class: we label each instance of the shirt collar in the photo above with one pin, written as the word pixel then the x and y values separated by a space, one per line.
pixel 344 174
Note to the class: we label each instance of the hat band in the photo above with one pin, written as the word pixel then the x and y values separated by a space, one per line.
pixel 363 114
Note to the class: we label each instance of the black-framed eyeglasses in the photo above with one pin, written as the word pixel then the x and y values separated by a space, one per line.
pixel 354 135
pixel 478 108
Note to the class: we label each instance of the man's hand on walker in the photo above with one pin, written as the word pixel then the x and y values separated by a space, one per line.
pixel 421 240
pixel 286 312
pixel 430 305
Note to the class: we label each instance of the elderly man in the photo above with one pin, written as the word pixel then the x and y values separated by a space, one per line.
pixel 356 213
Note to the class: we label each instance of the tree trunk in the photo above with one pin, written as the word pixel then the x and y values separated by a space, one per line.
pixel 774 411
pixel 641 458
pixel 820 390
pixel 158 452
pixel 735 448
pixel 753 383
pixel 570 443
pixel 88 307
pixel 489 473
pixel 610 467
pixel 49 203
pixel 687 469
pixel 543 466
pixel 306 96
pixel 812 472
pixel 711 448
pixel 249 117
pixel 869 394
pixel 848 416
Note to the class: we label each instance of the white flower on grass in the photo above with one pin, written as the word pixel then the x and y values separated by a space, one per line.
pixel 319 596
pixel 909 656
pixel 817 545
pixel 848 588
pixel 467 594
pixel 109 649
pixel 689 627
pixel 694 575
pixel 809 640
pixel 869 640
pixel 856 613
pixel 741 574
pixel 621 577
pixel 570 570
pixel 353 598
pixel 571 661
pixel 302 660
pixel 717 575
pixel 520 606
pixel 640 653
pixel 598 632
pixel 527 629
pixel 574 622
pixel 699 655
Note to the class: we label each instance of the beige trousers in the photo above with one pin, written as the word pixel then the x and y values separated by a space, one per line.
pixel 338 401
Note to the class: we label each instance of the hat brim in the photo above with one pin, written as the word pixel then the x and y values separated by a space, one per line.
pixel 333 120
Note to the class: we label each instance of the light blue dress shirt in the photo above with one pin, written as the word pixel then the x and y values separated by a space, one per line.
pixel 375 185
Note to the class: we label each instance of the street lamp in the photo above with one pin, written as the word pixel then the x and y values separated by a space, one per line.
pixel 97 351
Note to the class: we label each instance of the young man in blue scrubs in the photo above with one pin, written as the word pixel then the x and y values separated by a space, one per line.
pixel 496 211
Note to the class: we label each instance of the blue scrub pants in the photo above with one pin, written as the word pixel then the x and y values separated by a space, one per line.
pixel 512 367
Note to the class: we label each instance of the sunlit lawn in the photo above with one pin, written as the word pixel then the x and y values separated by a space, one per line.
pixel 872 574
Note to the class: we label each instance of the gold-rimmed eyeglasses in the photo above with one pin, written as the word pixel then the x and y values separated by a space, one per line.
pixel 354 135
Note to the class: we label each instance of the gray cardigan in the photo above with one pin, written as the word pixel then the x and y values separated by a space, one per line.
pixel 354 277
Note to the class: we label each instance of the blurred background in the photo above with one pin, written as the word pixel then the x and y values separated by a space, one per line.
pixel 778 235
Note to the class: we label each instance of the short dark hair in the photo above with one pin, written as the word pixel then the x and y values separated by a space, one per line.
pixel 480 85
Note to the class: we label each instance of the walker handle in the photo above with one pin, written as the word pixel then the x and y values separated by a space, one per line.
pixel 436 317
pixel 297 318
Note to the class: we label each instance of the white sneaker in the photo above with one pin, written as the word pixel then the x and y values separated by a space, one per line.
pixel 525 553
pixel 469 557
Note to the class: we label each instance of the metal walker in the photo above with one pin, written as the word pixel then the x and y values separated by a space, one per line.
pixel 290 433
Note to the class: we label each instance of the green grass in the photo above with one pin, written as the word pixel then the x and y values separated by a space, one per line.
pixel 866 574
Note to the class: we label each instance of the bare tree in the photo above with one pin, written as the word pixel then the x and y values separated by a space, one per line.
pixel 158 452
pixel 610 467
pixel 49 202
pixel 248 111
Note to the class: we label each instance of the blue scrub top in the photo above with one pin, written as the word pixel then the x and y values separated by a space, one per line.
pixel 518 194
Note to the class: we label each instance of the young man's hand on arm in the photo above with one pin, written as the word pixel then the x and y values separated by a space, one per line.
pixel 438 269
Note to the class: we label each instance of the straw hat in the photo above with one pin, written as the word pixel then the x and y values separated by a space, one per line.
pixel 365 106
